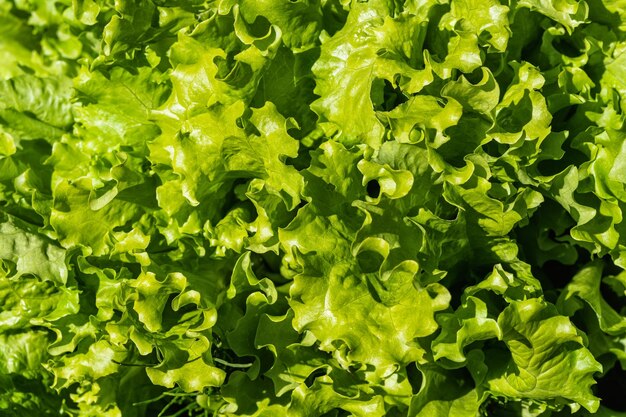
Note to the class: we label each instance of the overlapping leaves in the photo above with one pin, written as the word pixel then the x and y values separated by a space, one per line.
pixel 312 207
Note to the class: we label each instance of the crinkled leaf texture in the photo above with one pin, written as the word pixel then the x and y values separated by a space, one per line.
pixel 312 208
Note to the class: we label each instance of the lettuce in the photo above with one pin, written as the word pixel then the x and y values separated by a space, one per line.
pixel 310 208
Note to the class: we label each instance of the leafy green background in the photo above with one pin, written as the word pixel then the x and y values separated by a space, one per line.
pixel 311 208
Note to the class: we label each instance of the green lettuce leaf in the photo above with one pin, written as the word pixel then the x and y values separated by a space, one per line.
pixel 549 360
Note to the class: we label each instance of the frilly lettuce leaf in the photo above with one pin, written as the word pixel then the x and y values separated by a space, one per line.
pixel 585 287
pixel 299 22
pixel 103 113
pixel 23 252
pixel 468 324
pixel 23 353
pixel 342 320
pixel 569 13
pixel 548 357
pixel 357 58
pixel 445 394
pixel 24 115
pixel 312 207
